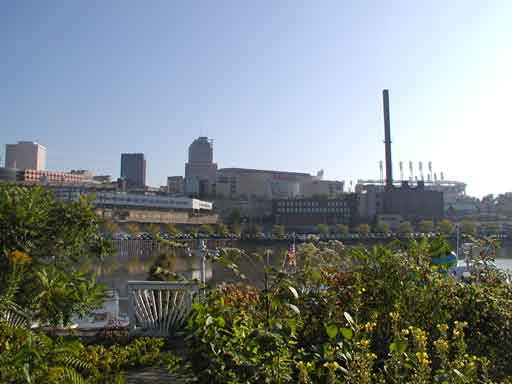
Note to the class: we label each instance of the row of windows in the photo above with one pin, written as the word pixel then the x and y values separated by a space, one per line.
pixel 302 203
pixel 142 200
pixel 226 179
pixel 343 211
pixel 298 203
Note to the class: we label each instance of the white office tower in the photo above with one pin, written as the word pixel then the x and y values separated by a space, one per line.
pixel 25 155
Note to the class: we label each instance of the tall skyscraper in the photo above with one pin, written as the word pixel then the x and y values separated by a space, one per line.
pixel 133 169
pixel 200 169
pixel 25 155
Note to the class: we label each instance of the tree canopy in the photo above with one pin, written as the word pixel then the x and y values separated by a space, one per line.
pixel 278 231
pixel 468 228
pixel 342 229
pixel 382 227
pixel 363 229
pixel 445 227
pixel 322 229
pixel 405 228
pixel 426 226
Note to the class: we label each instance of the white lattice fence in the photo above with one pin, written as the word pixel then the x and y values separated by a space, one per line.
pixel 159 308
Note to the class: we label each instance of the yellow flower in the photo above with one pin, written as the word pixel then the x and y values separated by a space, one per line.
pixel 332 365
pixel 422 358
pixel 18 257
pixel 370 326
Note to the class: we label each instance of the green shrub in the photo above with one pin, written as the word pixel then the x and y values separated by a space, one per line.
pixel 351 315
pixel 27 355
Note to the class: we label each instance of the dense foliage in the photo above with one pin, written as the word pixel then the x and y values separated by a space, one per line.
pixel 33 357
pixel 359 316
pixel 44 239
pixel 41 242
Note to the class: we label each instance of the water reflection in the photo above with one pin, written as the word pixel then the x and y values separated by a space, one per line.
pixel 133 260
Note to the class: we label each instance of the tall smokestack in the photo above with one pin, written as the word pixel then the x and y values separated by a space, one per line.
pixel 387 141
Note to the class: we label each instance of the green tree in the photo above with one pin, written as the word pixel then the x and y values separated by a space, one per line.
pixel 363 229
pixel 154 229
pixel 278 232
pixel 54 237
pixel 405 228
pixel 171 229
pixel 192 231
pixel 222 230
pixel 322 229
pixel 235 228
pixel 426 226
pixel 109 227
pixel 468 228
pixel 445 227
pixel 342 229
pixel 207 229
pixel 235 216
pixel 382 227
pixel 133 229
pixel 254 229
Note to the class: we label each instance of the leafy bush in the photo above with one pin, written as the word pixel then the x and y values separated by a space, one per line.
pixel 33 357
pixel 48 238
pixel 351 315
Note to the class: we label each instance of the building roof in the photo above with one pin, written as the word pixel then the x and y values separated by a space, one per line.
pixel 249 170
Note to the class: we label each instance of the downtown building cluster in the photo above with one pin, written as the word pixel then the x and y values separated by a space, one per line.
pixel 208 193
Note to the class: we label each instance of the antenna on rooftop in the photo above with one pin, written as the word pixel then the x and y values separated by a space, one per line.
pixel 401 165
pixel 381 166
pixel 411 171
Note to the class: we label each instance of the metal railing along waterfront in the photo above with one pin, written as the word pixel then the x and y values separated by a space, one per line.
pixel 138 246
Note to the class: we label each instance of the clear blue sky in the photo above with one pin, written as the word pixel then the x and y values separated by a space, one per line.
pixel 288 85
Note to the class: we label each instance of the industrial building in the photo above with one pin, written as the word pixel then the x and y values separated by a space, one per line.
pixel 411 202
pixel 246 183
pixel 304 214
pixel 34 176
pixel 25 155
pixel 10 175
pixel 257 183
pixel 454 195
pixel 129 207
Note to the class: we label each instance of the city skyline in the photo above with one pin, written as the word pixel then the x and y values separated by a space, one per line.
pixel 285 86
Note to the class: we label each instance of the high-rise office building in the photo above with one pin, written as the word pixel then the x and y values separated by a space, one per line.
pixel 133 169
pixel 200 169
pixel 25 155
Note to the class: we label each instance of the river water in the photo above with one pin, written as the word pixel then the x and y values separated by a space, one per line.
pixel 134 259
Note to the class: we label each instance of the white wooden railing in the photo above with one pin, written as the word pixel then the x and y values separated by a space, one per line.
pixel 159 308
